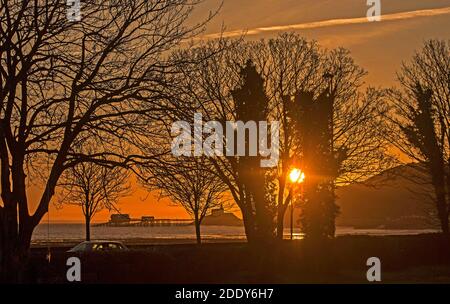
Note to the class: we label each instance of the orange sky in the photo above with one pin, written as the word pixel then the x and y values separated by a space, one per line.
pixel 138 204
pixel 379 47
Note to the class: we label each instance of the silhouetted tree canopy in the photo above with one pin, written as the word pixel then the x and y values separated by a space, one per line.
pixel 420 120
pixel 99 81
pixel 288 65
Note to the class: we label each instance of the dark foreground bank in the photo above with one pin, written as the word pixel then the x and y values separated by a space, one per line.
pixel 404 259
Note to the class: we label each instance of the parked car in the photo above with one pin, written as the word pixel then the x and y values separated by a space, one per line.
pixel 98 246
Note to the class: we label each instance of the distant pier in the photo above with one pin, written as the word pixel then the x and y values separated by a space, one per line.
pixel 124 220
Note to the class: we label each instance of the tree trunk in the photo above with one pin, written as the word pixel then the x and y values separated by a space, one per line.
pixel 444 226
pixel 282 204
pixel 280 220
pixel 264 217
pixel 14 249
pixel 197 228
pixel 442 210
pixel 88 227
pixel 10 266
pixel 447 203
pixel 264 222
pixel 438 179
pixel 249 225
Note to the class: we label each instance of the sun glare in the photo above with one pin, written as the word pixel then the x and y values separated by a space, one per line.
pixel 297 176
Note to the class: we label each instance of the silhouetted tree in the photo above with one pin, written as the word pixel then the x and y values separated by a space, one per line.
pixel 289 64
pixel 189 182
pixel 64 84
pixel 93 188
pixel 347 142
pixel 420 119
pixel 313 119
pixel 252 107
pixel 422 134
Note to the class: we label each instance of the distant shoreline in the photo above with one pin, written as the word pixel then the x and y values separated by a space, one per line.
pixel 138 242
pixel 183 239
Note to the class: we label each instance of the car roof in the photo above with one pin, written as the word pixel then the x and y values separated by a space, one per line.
pixel 101 242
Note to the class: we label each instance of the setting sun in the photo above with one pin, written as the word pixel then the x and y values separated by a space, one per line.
pixel 297 176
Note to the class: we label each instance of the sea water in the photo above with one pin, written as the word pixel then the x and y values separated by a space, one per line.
pixel 75 232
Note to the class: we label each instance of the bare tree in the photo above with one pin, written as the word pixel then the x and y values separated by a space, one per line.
pixel 289 65
pixel 188 182
pixel 93 188
pixel 420 119
pixel 294 67
pixel 64 84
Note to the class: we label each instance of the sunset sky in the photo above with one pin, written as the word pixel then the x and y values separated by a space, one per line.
pixel 379 47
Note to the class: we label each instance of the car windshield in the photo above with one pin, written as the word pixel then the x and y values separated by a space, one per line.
pixel 80 247
pixel 98 247
pixel 114 246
